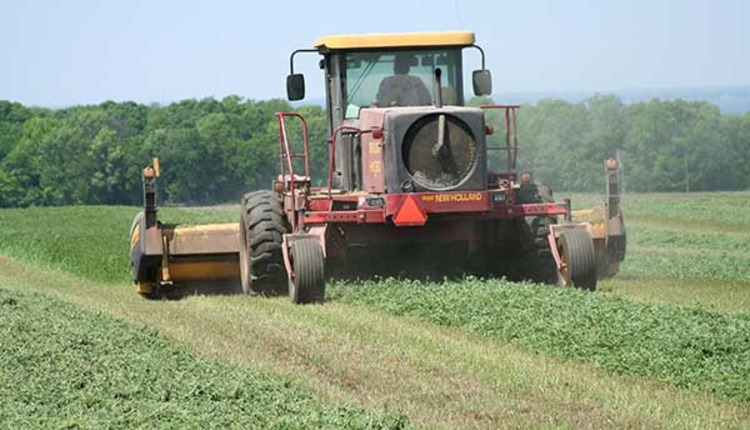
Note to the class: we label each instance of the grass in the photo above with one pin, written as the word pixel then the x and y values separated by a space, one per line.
pixel 690 250
pixel 695 262
pixel 728 211
pixel 686 249
pixel 664 344
pixel 439 377
pixel 731 297
pixel 70 369
pixel 90 241
pixel 64 368
pixel 661 249
pixel 723 211
pixel 687 348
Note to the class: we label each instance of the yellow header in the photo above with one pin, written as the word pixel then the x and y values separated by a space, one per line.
pixel 396 40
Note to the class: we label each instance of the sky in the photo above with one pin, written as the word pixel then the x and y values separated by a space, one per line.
pixel 61 53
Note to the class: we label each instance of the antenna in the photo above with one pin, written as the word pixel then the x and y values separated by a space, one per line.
pixel 458 14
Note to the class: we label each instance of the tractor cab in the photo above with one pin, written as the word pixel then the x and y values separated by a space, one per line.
pixel 391 70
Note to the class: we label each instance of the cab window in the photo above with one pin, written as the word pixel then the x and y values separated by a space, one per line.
pixel 400 78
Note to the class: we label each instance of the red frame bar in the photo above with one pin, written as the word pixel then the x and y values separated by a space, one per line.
pixel 285 152
pixel 479 209
pixel 284 144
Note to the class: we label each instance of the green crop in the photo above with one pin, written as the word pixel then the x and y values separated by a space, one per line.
pixel 68 368
pixel 687 348
pixel 90 241
pixel 672 239
pixel 656 251
pixel 722 210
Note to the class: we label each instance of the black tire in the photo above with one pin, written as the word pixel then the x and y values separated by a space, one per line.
pixel 539 264
pixel 307 283
pixel 262 226
pixel 252 194
pixel 578 257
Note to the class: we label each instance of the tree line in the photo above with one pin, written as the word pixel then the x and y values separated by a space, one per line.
pixel 214 150
pixel 664 146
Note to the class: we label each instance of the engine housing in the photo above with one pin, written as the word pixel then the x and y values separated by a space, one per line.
pixel 434 149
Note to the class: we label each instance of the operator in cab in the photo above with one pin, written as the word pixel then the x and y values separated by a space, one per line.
pixel 402 89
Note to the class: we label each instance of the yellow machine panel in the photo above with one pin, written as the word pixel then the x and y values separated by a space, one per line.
pixel 395 40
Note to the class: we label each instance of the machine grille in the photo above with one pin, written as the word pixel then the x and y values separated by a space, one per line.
pixel 439 151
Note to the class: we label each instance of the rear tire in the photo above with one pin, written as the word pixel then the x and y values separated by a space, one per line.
pixel 307 281
pixel 538 264
pixel 577 254
pixel 262 226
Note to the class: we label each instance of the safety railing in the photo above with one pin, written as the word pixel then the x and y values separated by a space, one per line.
pixel 286 155
pixel 511 135
pixel 285 151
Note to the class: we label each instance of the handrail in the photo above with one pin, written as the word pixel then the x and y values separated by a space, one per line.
pixel 510 124
pixel 285 152
pixel 284 141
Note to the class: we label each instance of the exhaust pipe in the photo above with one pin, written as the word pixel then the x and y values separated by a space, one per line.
pixel 438 88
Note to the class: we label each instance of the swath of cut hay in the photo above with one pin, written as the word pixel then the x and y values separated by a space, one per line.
pixel 593 216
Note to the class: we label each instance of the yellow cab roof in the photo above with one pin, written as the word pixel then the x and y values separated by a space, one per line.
pixel 395 40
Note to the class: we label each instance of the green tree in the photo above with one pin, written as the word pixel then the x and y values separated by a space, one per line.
pixel 215 150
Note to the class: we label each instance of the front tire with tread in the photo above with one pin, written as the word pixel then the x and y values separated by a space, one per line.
pixel 576 249
pixel 307 283
pixel 262 226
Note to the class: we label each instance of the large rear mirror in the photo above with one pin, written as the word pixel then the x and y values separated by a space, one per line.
pixel 482 81
pixel 295 87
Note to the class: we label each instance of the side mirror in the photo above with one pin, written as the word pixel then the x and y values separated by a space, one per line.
pixel 482 80
pixel 295 87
